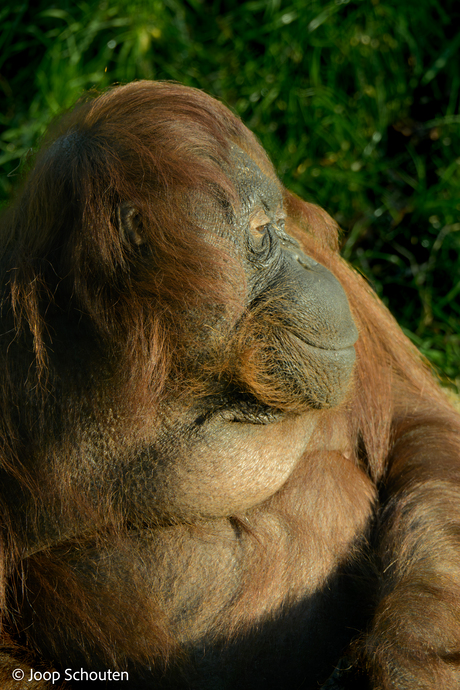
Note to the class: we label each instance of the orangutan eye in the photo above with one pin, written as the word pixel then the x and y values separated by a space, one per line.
pixel 260 241
pixel 260 235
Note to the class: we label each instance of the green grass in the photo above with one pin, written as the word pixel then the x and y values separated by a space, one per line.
pixel 357 103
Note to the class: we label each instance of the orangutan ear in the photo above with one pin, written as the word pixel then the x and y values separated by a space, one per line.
pixel 130 224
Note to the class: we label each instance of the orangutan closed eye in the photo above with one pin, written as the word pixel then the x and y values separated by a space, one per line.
pixel 223 465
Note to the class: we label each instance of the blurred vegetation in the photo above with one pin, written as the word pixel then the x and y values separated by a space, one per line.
pixel 357 101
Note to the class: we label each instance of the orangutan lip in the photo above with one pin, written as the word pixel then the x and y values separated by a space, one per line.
pixel 348 349
pixel 343 358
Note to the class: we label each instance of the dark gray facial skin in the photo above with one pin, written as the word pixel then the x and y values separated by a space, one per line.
pixel 314 305
pixel 304 326
pixel 318 308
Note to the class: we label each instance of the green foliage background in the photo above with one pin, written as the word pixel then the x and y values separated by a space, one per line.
pixel 357 102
